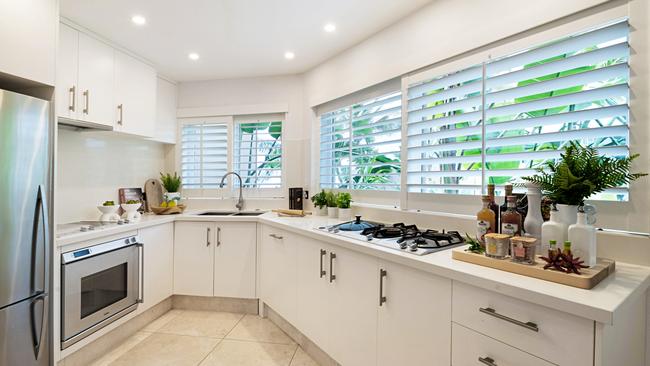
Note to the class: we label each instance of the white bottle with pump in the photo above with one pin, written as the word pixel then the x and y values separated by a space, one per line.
pixel 583 239
pixel 553 229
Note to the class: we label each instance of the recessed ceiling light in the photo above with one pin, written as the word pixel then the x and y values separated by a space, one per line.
pixel 193 56
pixel 289 55
pixel 329 27
pixel 139 20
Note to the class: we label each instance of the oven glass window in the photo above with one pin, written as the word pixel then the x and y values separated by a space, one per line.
pixel 102 289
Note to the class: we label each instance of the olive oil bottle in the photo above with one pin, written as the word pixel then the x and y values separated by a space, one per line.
pixel 485 220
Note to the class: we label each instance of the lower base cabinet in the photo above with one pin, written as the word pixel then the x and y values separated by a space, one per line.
pixel 278 271
pixel 158 260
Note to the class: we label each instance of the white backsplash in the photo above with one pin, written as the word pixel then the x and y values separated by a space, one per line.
pixel 92 166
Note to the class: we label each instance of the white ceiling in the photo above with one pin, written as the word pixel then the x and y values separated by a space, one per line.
pixel 236 38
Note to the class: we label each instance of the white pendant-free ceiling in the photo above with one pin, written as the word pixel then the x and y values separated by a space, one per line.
pixel 236 38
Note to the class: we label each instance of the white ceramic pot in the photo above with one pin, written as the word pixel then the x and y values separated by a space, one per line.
pixel 333 212
pixel 567 214
pixel 321 211
pixel 109 213
pixel 131 211
pixel 169 196
pixel 345 214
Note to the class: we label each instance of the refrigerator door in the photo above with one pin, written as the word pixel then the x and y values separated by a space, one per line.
pixel 24 337
pixel 25 160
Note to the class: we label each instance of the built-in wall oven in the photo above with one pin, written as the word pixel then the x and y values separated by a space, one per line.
pixel 100 284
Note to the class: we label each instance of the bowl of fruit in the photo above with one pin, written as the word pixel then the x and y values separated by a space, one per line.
pixel 131 210
pixel 109 211
pixel 170 207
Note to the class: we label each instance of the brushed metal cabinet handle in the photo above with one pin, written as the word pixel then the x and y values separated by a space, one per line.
pixel 332 275
pixel 322 271
pixel 528 325
pixel 207 237
pixel 487 361
pixel 382 275
pixel 120 120
pixel 274 236
pixel 87 100
pixel 218 236
pixel 73 98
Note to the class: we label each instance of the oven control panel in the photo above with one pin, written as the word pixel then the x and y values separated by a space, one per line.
pixel 94 250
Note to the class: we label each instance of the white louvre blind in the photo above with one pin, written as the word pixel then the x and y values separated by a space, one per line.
pixel 204 154
pixel 360 145
pixel 257 155
pixel 535 102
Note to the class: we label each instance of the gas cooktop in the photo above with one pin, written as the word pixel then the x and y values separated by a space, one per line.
pixel 405 238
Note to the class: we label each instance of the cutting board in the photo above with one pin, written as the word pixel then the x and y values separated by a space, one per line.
pixel 154 192
pixel 588 278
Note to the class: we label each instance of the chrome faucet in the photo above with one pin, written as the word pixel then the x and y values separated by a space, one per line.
pixel 240 201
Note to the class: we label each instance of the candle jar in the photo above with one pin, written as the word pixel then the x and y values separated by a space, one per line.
pixel 522 249
pixel 497 245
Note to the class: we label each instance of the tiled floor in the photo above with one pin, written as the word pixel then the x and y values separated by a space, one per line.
pixel 205 338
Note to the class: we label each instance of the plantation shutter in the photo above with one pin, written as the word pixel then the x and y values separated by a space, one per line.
pixel 204 154
pixel 257 155
pixel 360 145
pixel 539 100
pixel 444 133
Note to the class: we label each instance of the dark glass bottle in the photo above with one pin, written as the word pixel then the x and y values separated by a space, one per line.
pixel 494 207
pixel 504 206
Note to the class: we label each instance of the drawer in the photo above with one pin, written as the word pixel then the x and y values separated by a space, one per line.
pixel 471 348
pixel 558 337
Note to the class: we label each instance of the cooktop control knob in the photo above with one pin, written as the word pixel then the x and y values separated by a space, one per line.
pixel 413 246
pixel 402 245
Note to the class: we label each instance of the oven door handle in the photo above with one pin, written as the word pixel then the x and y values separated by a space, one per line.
pixel 140 299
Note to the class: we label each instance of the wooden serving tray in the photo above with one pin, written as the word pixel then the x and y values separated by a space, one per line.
pixel 589 278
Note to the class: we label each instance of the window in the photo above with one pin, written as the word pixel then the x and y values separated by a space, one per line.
pixel 533 103
pixel 360 145
pixel 204 154
pixel 257 155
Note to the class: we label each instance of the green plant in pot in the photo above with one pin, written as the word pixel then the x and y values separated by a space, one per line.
pixel 172 185
pixel 332 208
pixel 320 202
pixel 580 173
pixel 343 203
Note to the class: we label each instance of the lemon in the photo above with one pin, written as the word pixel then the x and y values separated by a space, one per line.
pixel 163 204
pixel 171 204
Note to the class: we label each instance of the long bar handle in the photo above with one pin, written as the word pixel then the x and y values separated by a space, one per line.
pixel 87 100
pixel 487 361
pixel 73 99
pixel 218 236
pixel 382 275
pixel 141 297
pixel 207 237
pixel 322 271
pixel 275 236
pixel 332 275
pixel 120 120
pixel 528 325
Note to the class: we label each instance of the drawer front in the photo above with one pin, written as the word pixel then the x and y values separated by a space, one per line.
pixel 558 337
pixel 471 348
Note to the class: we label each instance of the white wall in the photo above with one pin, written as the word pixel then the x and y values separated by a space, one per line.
pixel 92 166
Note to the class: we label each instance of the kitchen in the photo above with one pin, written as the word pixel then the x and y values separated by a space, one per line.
pixel 307 183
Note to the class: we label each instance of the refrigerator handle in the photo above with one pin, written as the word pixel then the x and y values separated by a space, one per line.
pixel 40 221
pixel 37 330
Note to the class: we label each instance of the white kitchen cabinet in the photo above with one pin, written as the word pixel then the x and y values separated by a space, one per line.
pixel 235 260
pixel 278 271
pixel 95 79
pixel 134 108
pixel 166 104
pixel 66 77
pixel 194 258
pixel 414 321
pixel 28 30
pixel 158 261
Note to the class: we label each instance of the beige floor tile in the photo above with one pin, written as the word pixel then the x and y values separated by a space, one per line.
pixel 161 321
pixel 255 328
pixel 201 324
pixel 168 349
pixel 301 358
pixel 243 353
pixel 122 349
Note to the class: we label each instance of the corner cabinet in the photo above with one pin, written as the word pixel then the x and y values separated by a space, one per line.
pixel 215 259
pixel 278 270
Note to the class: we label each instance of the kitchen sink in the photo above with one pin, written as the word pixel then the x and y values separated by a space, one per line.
pixel 217 213
pixel 248 213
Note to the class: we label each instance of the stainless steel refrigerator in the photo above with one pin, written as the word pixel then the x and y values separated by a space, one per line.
pixel 26 136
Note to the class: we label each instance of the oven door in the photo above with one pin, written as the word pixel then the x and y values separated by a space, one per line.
pixel 97 288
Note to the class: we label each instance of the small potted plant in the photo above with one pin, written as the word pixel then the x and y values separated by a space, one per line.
pixel 343 203
pixel 332 209
pixel 320 203
pixel 172 184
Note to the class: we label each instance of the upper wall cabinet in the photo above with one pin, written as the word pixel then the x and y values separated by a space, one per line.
pixel 166 104
pixel 84 78
pixel 135 96
pixel 28 39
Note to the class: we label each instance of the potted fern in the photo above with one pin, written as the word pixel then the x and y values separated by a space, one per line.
pixel 343 203
pixel 578 174
pixel 172 184
pixel 320 203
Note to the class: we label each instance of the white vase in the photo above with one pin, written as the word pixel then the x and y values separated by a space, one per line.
pixel 583 240
pixel 321 211
pixel 553 229
pixel 534 219
pixel 333 212
pixel 567 214
pixel 345 214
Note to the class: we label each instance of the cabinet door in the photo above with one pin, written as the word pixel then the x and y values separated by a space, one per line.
pixel 96 65
pixel 158 260
pixel 313 291
pixel 234 259
pixel 166 103
pixel 135 96
pixel 194 258
pixel 278 271
pixel 352 306
pixel 67 93
pixel 414 322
